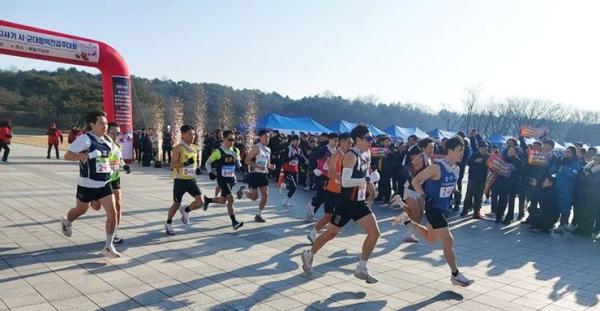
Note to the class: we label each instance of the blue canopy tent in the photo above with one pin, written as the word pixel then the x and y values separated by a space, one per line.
pixel 288 125
pixel 417 132
pixel 341 126
pixel 440 134
pixel 375 131
pixel 397 132
pixel 497 139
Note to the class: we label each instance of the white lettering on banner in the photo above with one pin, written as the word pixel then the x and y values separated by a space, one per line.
pixel 122 101
pixel 19 40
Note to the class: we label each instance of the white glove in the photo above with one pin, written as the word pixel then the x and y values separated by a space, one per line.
pixel 94 154
pixel 374 176
pixel 317 172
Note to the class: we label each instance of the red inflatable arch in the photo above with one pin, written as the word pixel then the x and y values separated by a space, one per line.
pixel 30 42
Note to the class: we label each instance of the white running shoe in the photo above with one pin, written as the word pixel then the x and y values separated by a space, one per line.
pixel 307 261
pixel 286 202
pixel 598 236
pixel 312 236
pixel 111 252
pixel 396 200
pixel 363 274
pixel 461 280
pixel 410 238
pixel 169 229
pixel 401 219
pixel 185 216
pixel 65 227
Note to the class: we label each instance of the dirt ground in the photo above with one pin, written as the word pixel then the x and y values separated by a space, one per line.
pixel 37 140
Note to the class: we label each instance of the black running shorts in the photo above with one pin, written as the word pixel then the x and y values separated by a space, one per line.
pixel 346 210
pixel 226 185
pixel 87 195
pixel 183 186
pixel 436 217
pixel 257 180
pixel 330 200
pixel 116 184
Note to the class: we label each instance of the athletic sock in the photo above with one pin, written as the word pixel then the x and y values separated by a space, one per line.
pixel 209 200
pixel 232 218
pixel 187 209
pixel 362 264
pixel 259 212
pixel 455 273
pixel 109 240
pixel 169 221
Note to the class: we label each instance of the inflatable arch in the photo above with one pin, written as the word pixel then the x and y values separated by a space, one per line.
pixel 30 42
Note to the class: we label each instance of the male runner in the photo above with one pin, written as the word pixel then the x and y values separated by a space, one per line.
pixel 334 184
pixel 92 150
pixel 351 205
pixel 435 186
pixel 226 159
pixel 116 163
pixel 184 164
pixel 258 160
pixel 289 169
pixel 318 166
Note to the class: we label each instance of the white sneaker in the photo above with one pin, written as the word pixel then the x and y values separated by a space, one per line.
pixel 307 261
pixel 363 274
pixel 111 252
pixel 65 227
pixel 286 202
pixel 410 238
pixel 185 216
pixel 310 210
pixel 169 229
pixel 461 280
pixel 401 219
pixel 598 236
pixel 312 236
pixel 396 200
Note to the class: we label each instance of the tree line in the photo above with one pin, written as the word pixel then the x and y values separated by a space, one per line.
pixel 36 98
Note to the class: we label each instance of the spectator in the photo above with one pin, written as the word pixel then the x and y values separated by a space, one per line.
pixel 477 177
pixel 543 219
pixel 167 144
pixel 5 136
pixel 506 187
pixel 55 137
pixel 566 175
pixel 73 134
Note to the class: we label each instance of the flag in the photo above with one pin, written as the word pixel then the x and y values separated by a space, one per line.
pixel 496 164
pixel 533 132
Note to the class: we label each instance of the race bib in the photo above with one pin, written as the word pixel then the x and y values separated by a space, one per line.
pixel 103 165
pixel 189 171
pixel 228 171
pixel 362 195
pixel 446 192
pixel 262 162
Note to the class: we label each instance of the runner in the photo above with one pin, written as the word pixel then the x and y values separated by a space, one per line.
pixel 351 205
pixel 258 160
pixel 227 159
pixel 288 178
pixel 184 164
pixel 334 184
pixel 318 166
pixel 116 162
pixel 92 150
pixel 435 185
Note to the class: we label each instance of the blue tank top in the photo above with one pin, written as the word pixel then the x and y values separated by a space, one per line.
pixel 441 190
pixel 97 169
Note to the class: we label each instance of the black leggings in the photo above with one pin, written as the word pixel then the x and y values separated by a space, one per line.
pixel 50 149
pixel 291 182
pixel 321 194
pixel 6 150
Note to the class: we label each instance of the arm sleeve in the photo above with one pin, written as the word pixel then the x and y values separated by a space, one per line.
pixel 348 181
pixel 215 156
pixel 80 144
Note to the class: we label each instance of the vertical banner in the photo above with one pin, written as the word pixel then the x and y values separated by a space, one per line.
pixel 123 115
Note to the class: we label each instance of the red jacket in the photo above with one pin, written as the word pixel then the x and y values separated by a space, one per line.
pixel 5 134
pixel 54 136
pixel 73 135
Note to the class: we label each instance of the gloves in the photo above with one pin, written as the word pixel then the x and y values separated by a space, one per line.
pixel 212 176
pixel 189 161
pixel 317 172
pixel 94 154
pixel 126 168
pixel 375 177
pixel 198 171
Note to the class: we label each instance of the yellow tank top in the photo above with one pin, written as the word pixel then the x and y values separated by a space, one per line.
pixel 187 172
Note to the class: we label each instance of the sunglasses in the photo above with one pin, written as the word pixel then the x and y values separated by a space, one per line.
pixel 368 138
pixel 231 139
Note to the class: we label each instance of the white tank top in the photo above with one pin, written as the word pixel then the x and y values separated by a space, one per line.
pixel 262 159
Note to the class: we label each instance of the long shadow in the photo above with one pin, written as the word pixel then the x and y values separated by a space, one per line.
pixel 343 296
pixel 443 296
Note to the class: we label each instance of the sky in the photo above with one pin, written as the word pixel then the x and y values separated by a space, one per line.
pixel 425 51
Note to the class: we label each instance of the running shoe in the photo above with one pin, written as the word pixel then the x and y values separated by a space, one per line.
pixel 312 236
pixel 598 236
pixel 169 229
pixel 363 274
pixel 240 192
pixel 259 218
pixel 401 219
pixel 111 252
pixel 559 229
pixel 237 224
pixel 287 203
pixel 461 280
pixel 185 216
pixel 117 240
pixel 205 205
pixel 282 189
pixel 65 227
pixel 307 188
pixel 410 238
pixel 307 261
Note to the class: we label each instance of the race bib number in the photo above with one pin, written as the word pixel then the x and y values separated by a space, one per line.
pixel 262 162
pixel 189 171
pixel 103 165
pixel 362 195
pixel 446 192
pixel 228 171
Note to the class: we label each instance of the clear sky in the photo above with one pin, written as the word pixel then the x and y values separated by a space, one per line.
pixel 410 51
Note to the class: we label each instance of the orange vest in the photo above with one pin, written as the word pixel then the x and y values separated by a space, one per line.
pixel 335 185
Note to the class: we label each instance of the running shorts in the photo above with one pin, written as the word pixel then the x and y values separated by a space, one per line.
pixel 436 217
pixel 183 186
pixel 87 195
pixel 330 200
pixel 347 210
pixel 226 185
pixel 257 180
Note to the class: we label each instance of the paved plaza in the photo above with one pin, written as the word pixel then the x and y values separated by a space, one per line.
pixel 207 266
